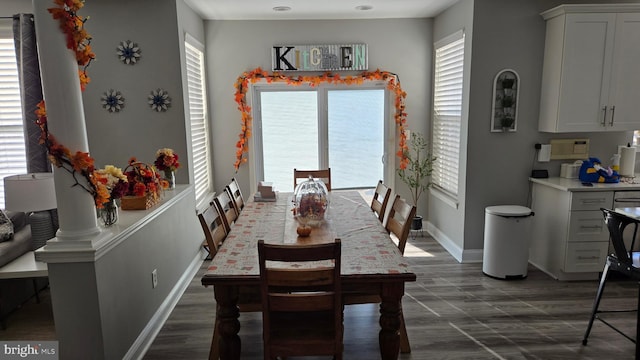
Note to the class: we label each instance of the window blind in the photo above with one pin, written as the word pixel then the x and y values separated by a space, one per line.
pixel 198 118
pixel 12 147
pixel 447 108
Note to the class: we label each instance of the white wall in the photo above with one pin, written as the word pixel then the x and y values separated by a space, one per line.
pixel 12 7
pixel 233 47
pixel 446 222
pixel 506 34
pixel 136 130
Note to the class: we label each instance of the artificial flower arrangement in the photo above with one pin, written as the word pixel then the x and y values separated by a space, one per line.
pixel 115 181
pixel 145 186
pixel 166 160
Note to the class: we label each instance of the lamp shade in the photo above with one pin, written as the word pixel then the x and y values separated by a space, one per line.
pixel 30 192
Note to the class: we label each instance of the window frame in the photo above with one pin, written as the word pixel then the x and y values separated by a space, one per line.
pixel 199 127
pixel 445 177
pixel 256 167
pixel 13 147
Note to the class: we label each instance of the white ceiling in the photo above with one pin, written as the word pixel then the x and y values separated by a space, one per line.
pixel 322 9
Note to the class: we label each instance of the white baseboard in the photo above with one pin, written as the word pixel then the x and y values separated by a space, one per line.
pixel 460 254
pixel 149 333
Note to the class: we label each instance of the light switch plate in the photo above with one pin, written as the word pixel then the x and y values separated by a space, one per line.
pixel 562 149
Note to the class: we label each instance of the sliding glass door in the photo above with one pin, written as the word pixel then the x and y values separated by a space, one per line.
pixel 314 128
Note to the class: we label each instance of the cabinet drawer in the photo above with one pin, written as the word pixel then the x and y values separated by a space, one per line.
pixel 587 226
pixel 586 256
pixel 591 200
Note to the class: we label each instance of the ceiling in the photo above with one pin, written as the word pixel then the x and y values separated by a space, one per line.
pixel 325 9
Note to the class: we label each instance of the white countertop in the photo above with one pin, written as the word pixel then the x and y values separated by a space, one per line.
pixel 565 184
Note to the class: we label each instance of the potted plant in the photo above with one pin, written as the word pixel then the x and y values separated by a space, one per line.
pixel 418 171
pixel 507 122
pixel 507 83
pixel 507 102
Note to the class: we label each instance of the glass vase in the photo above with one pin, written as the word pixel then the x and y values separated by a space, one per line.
pixel 170 176
pixel 109 213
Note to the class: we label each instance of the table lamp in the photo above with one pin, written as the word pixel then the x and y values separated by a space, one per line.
pixel 34 194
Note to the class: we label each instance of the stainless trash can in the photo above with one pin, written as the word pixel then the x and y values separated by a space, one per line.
pixel 507 234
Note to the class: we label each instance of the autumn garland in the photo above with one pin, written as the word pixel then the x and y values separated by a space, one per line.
pixel 242 86
pixel 78 40
pixel 80 163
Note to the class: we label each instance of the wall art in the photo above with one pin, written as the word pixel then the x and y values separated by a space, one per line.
pixel 128 52
pixel 112 101
pixel 504 109
pixel 159 100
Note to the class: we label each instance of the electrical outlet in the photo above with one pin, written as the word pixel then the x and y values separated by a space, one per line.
pixel 154 278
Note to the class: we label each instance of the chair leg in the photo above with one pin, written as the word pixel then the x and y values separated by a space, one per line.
pixel 214 352
pixel 405 347
pixel 596 302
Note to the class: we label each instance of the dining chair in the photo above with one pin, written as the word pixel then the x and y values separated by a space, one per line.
pixel 214 229
pixel 302 304
pixel 623 260
pixel 324 175
pixel 380 200
pixel 398 224
pixel 224 203
pixel 236 195
pixel 399 221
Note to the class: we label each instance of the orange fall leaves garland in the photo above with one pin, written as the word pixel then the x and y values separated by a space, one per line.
pixel 80 163
pixel 242 86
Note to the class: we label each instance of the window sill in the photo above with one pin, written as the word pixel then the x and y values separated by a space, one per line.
pixel 444 197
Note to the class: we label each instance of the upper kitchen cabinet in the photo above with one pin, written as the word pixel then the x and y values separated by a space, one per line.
pixel 591 73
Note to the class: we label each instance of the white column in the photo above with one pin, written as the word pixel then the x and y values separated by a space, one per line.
pixel 65 114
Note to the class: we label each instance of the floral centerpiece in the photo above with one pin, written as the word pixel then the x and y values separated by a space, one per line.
pixel 144 186
pixel 167 162
pixel 117 184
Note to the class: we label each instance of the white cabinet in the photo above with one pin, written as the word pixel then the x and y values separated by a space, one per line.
pixel 591 71
pixel 570 240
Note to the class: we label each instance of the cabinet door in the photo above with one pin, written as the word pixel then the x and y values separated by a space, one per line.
pixel 625 78
pixel 588 53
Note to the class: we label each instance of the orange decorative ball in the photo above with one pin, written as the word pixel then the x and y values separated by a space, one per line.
pixel 303 231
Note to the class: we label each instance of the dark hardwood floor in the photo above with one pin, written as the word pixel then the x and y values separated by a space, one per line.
pixel 453 311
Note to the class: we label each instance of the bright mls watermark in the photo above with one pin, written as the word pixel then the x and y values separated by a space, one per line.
pixel 10 350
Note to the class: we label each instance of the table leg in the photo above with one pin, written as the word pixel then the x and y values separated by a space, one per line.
pixel 229 326
pixel 390 318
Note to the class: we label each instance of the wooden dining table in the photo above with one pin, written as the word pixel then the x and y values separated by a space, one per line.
pixel 371 262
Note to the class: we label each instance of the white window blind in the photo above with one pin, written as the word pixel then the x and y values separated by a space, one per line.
pixel 447 112
pixel 198 117
pixel 12 148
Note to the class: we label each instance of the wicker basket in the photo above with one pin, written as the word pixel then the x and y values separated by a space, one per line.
pixel 132 202
pixel 137 202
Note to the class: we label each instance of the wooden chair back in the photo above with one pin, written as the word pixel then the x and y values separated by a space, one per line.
pixel 224 203
pixel 236 195
pixel 302 306
pixel 380 200
pixel 214 229
pixel 324 175
pixel 399 221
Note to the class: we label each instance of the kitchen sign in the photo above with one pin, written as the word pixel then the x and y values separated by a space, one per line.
pixel 319 57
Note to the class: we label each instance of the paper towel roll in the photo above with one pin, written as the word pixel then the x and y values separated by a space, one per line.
pixel 627 161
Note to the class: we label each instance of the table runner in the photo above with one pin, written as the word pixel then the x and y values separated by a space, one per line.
pixel 366 246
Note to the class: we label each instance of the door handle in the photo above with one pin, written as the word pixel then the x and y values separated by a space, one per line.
pixel 604 116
